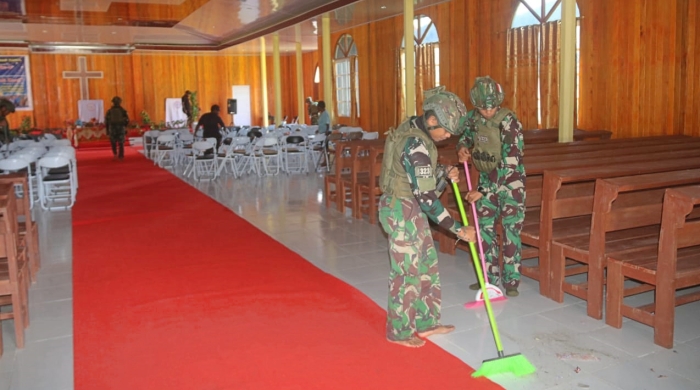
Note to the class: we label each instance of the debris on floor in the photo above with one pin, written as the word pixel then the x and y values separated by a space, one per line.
pixel 584 386
pixel 577 370
pixel 581 357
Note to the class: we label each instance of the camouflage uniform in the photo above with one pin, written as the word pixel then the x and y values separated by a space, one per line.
pixel 312 110
pixel 503 191
pixel 116 120
pixel 414 282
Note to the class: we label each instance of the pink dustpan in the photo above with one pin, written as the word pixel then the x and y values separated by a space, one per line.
pixel 495 295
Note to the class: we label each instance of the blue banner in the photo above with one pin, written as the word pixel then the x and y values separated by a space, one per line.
pixel 15 83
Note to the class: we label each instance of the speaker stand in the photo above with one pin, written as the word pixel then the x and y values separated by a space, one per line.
pixel 232 120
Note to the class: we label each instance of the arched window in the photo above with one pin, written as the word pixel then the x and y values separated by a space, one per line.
pixel 426 60
pixel 534 61
pixel 346 77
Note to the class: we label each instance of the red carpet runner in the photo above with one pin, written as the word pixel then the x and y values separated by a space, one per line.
pixel 174 291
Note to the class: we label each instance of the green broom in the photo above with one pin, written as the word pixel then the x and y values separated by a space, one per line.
pixel 515 364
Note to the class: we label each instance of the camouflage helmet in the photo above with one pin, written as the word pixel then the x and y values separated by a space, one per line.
pixel 486 93
pixel 8 105
pixel 117 100
pixel 447 107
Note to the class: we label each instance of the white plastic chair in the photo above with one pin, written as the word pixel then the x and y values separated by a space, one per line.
pixel 57 187
pixel 150 139
pixel 204 160
pixel 295 154
pixel 165 151
pixel 269 155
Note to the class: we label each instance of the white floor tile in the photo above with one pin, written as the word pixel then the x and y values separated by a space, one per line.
pixel 639 375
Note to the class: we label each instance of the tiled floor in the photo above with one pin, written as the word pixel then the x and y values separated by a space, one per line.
pixel 570 350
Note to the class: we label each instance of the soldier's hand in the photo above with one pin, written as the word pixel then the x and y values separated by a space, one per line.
pixel 452 174
pixel 467 233
pixel 473 196
pixel 463 154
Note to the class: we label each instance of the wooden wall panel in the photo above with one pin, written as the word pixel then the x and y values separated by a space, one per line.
pixel 145 79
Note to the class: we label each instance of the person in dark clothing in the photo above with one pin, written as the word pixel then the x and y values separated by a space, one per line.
pixel 116 121
pixel 187 107
pixel 211 123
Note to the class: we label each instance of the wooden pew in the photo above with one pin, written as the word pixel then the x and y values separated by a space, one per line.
pixel 28 229
pixel 359 172
pixel 674 265
pixel 14 270
pixel 368 193
pixel 552 135
pixel 535 167
pixel 567 203
pixel 341 165
pixel 626 217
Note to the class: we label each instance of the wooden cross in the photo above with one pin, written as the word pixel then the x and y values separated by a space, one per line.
pixel 83 75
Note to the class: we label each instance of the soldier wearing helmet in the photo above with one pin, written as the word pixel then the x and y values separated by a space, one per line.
pixel 493 140
pixel 411 184
pixel 116 120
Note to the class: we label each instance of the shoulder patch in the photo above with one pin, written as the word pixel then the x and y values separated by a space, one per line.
pixel 424 171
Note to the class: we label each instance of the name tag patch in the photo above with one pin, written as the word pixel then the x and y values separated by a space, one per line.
pixel 483 139
pixel 424 171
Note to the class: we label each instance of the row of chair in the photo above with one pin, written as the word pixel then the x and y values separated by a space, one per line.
pixel 52 173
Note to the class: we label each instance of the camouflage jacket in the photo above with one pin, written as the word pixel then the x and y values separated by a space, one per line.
pixel 110 122
pixel 415 154
pixel 510 171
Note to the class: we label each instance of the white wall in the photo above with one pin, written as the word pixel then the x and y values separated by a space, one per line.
pixel 242 95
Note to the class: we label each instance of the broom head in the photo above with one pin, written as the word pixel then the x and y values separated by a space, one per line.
pixel 515 364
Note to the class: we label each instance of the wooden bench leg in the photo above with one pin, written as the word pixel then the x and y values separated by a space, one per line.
pixel 557 269
pixel 664 312
pixel 596 283
pixel 615 295
pixel 372 208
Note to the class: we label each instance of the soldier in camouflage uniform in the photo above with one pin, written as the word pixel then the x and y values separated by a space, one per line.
pixel 312 110
pixel 495 136
pixel 116 120
pixel 411 187
pixel 6 108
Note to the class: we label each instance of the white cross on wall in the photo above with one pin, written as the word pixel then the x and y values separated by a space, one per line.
pixel 83 75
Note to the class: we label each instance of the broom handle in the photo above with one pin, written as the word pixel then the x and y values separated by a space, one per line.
pixel 479 274
pixel 476 223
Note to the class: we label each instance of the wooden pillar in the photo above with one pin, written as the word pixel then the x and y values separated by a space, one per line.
pixel 263 80
pixel 567 71
pixel 277 78
pixel 301 112
pixel 409 51
pixel 327 70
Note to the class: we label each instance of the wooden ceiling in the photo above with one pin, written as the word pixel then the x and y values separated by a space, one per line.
pixel 214 25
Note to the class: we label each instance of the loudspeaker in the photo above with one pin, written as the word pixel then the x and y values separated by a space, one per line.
pixel 232 106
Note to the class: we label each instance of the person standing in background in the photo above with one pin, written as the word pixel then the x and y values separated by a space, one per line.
pixel 324 120
pixel 212 123
pixel 116 120
pixel 312 110
pixel 187 107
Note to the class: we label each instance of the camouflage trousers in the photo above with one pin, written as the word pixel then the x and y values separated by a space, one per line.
pixel 509 206
pixel 414 281
pixel 116 138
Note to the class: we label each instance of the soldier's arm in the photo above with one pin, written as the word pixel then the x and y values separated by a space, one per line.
pixel 107 117
pixel 126 118
pixel 466 140
pixel 513 148
pixel 419 169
